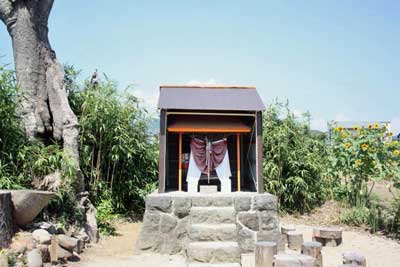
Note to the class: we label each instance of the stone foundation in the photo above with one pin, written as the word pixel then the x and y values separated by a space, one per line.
pixel 171 220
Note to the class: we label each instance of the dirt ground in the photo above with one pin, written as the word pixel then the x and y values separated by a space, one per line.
pixel 118 251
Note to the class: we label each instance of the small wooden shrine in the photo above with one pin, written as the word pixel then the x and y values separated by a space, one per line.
pixel 210 135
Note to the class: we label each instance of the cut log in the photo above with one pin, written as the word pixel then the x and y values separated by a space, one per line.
pixel 293 260
pixel 6 219
pixel 295 240
pixel 313 249
pixel 264 253
pixel 354 259
pixel 285 230
pixel 330 237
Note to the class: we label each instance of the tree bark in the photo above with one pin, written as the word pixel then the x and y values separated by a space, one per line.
pixel 45 110
pixel 6 219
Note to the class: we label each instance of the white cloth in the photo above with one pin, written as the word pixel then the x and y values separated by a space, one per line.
pixel 223 172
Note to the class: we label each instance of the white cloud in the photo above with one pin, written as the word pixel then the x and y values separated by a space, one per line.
pixel 149 100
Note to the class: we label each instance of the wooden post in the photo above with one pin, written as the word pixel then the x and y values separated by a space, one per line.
pixel 238 160
pixel 162 153
pixel 313 249
pixel 264 253
pixel 259 153
pixel 6 219
pixel 180 163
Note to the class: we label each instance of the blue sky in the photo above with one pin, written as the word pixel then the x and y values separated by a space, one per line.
pixel 336 59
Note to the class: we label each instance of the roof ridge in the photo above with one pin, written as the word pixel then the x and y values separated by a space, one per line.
pixel 215 86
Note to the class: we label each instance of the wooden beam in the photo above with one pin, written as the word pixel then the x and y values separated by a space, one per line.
pixel 238 160
pixel 162 147
pixel 180 163
pixel 207 130
pixel 259 153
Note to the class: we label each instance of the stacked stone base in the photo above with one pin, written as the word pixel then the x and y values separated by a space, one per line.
pixel 208 228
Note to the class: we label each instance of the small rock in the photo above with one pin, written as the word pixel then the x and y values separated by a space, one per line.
pixel 63 253
pixel 34 258
pixel 21 249
pixel 80 246
pixel 49 227
pixel 45 252
pixel 69 243
pixel 41 236
pixel 3 260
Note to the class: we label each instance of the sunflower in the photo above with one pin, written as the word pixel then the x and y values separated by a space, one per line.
pixel 396 152
pixel 364 147
pixel 369 126
pixel 356 128
pixel 362 132
pixel 343 135
pixel 347 145
pixel 376 125
pixel 390 134
pixel 358 162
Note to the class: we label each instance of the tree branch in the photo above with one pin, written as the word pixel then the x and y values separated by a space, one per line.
pixel 6 7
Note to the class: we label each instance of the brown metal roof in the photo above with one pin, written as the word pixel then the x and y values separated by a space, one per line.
pixel 218 97
pixel 207 124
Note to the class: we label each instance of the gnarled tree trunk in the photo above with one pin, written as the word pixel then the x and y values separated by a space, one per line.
pixel 45 109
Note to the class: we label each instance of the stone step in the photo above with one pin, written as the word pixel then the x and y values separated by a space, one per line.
pixel 231 264
pixel 212 215
pixel 213 232
pixel 212 201
pixel 213 252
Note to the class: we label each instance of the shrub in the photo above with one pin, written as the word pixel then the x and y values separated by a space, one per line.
pixel 293 160
pixel 362 155
pixel 118 155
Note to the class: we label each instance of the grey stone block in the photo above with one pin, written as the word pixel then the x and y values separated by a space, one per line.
pixel 182 206
pixel 265 202
pixel 249 219
pixel 247 239
pixel 213 215
pixel 242 203
pixel 158 203
pixel 212 232
pixel 268 220
pixel 214 252
pixel 167 223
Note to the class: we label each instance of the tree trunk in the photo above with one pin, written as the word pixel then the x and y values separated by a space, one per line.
pixel 44 109
pixel 6 219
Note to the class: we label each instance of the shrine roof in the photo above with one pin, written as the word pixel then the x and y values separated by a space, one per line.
pixel 210 97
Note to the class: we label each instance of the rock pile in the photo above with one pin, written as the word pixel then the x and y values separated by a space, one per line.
pixel 50 245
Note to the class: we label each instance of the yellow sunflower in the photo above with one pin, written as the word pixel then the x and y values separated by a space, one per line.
pixel 396 152
pixel 358 162
pixel 369 126
pixel 362 132
pixel 343 135
pixel 390 134
pixel 376 125
pixel 364 147
pixel 347 145
pixel 356 128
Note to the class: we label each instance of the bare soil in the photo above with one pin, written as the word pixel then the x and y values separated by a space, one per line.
pixel 120 250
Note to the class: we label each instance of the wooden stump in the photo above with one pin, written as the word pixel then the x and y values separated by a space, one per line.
pixel 264 253
pixel 293 260
pixel 6 219
pixel 330 237
pixel 53 249
pixel 354 259
pixel 313 249
pixel 295 240
pixel 285 230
